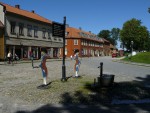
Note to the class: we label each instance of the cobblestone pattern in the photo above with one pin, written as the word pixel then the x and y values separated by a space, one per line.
pixel 18 82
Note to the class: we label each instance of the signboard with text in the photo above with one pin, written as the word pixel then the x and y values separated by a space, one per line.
pixel 58 29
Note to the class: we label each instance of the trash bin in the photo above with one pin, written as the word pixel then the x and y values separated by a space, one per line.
pixel 106 80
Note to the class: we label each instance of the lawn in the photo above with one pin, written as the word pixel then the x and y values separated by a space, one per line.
pixel 143 57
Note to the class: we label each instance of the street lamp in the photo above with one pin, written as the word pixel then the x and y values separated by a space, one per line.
pixel 149 10
pixel 131 47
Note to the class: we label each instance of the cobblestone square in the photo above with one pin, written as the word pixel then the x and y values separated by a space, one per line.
pixel 18 83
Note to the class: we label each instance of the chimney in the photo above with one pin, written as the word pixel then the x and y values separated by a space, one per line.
pixel 17 6
pixel 33 11
pixel 80 28
pixel 90 32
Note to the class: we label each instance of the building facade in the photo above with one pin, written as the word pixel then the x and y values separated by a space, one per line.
pixel 86 42
pixel 25 33
pixel 1 32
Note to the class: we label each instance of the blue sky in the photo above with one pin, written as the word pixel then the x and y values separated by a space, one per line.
pixel 90 15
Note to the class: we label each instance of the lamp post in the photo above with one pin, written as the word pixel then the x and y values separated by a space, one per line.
pixel 131 47
pixel 149 10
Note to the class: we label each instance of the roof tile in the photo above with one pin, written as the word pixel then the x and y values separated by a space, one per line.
pixel 25 13
pixel 75 33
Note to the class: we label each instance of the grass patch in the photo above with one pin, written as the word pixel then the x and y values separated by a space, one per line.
pixel 143 57
pixel 77 91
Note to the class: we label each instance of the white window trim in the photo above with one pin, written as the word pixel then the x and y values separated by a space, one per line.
pixel 65 42
pixel 75 41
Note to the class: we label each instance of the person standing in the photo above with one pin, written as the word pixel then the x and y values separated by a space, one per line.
pixel 43 66
pixel 77 63
pixel 9 56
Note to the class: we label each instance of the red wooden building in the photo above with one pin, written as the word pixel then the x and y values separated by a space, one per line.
pixel 87 43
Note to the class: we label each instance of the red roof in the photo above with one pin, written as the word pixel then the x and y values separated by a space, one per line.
pixel 75 33
pixel 25 13
pixel 105 40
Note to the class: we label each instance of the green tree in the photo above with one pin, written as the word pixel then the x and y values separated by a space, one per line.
pixel 133 31
pixel 147 44
pixel 106 34
pixel 115 33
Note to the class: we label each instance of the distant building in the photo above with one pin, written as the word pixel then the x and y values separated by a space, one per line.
pixel 22 32
pixel 87 43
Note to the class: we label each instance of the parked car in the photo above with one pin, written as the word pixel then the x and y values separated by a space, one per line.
pixel 114 55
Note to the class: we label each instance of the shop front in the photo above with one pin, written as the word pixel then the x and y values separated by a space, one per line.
pixel 55 52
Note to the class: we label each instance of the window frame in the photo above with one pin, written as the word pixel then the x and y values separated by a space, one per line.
pixel 44 33
pixel 36 31
pixel 75 41
pixel 21 29
pixel 66 42
pixel 29 30
pixel 13 27
pixel 49 34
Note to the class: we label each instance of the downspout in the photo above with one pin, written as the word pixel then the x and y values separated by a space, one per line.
pixel 5 28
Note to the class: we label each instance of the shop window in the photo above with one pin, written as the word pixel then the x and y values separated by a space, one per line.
pixel 34 52
pixel 12 27
pixel 25 52
pixel 49 51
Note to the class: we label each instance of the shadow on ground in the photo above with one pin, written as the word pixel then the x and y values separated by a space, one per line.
pixel 96 99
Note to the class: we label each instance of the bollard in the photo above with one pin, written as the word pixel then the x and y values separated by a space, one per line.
pixel 94 81
pixel 101 69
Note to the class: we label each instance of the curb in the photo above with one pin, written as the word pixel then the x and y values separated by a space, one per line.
pixel 132 63
pixel 29 61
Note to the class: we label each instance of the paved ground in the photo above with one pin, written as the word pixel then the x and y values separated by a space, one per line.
pixel 24 76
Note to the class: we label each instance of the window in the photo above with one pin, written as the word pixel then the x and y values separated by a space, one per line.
pixel 36 31
pixel 60 39
pixel 85 52
pixel 82 42
pixel 75 42
pixel 21 26
pixel 66 51
pixel 12 27
pixel 44 33
pixel 29 33
pixel 86 42
pixel 66 33
pixel 55 39
pixel 49 34
pixel 65 42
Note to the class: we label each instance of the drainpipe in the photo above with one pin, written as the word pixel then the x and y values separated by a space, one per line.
pixel 5 28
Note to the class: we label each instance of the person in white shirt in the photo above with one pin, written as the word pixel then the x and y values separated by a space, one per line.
pixel 9 56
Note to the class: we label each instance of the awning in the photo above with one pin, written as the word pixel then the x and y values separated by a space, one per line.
pixel 38 43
